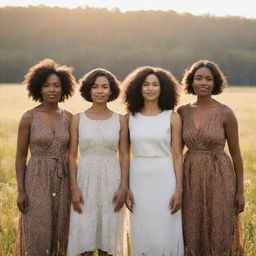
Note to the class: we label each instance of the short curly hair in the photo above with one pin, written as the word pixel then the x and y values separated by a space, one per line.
pixel 88 80
pixel 170 89
pixel 219 79
pixel 39 73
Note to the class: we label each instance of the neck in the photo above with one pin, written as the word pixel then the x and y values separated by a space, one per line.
pixel 204 100
pixel 49 106
pixel 99 108
pixel 150 107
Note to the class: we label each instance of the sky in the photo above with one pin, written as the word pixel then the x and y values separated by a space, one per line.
pixel 244 8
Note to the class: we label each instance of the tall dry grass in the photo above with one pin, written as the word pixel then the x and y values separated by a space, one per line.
pixel 14 101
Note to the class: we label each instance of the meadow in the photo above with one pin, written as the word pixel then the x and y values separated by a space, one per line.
pixel 14 101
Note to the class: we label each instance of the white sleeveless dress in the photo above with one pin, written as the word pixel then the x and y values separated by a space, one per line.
pixel 154 230
pixel 98 178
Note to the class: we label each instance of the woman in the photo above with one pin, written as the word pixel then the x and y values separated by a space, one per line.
pixel 43 191
pixel 155 180
pixel 213 190
pixel 99 186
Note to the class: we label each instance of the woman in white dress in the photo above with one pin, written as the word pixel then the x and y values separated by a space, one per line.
pixel 99 184
pixel 155 179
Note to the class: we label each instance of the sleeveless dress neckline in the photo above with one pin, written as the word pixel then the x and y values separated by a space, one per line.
pixel 85 115
pixel 208 120
pixel 57 126
pixel 151 116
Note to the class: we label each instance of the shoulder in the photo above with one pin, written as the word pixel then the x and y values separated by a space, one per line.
pixel 68 115
pixel 27 116
pixel 228 114
pixel 175 117
pixel 75 119
pixel 122 118
pixel 26 119
pixel 181 109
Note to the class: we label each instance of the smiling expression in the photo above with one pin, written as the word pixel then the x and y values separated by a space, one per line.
pixel 203 82
pixel 100 90
pixel 51 90
pixel 151 88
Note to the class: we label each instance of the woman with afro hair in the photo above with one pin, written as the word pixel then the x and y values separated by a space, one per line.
pixel 43 183
pixel 213 184
pixel 155 178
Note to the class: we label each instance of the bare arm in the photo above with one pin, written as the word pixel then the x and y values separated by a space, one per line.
pixel 177 147
pixel 124 157
pixel 231 132
pixel 77 198
pixel 21 158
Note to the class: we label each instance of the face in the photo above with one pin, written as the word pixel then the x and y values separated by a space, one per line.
pixel 203 82
pixel 51 89
pixel 100 90
pixel 151 89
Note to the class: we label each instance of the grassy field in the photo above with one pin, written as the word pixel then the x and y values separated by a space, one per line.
pixel 14 101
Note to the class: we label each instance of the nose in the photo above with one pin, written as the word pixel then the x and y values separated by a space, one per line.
pixel 150 87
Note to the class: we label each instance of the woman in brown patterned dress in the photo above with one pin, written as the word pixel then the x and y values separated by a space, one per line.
pixel 43 184
pixel 213 184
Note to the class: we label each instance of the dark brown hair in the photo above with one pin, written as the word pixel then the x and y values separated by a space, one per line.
pixel 39 73
pixel 219 79
pixel 88 80
pixel 168 97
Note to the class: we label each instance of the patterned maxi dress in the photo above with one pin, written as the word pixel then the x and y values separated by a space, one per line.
pixel 43 230
pixel 209 221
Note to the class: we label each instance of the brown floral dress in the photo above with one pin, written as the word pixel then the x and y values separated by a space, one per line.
pixel 43 230
pixel 209 221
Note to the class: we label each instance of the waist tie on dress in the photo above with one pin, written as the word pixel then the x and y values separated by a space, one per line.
pixel 61 168
pixel 187 164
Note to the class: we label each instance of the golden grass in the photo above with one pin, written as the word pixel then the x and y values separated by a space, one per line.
pixel 14 101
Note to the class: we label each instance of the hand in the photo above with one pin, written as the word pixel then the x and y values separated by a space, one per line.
pixel 129 201
pixel 77 200
pixel 239 203
pixel 22 202
pixel 175 202
pixel 119 198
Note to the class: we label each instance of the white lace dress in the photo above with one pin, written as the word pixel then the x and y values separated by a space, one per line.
pixel 98 178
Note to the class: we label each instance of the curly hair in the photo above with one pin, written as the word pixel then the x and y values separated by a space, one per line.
pixel 88 80
pixel 39 73
pixel 219 79
pixel 170 89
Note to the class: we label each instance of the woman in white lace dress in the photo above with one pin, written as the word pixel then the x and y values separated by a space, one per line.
pixel 99 183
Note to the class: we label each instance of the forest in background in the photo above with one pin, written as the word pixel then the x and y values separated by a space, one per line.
pixel 86 38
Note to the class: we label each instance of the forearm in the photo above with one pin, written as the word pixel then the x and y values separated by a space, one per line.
pixel 239 170
pixel 73 172
pixel 20 166
pixel 178 168
pixel 124 166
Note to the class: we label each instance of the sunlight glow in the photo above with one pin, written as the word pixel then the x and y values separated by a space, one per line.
pixel 245 8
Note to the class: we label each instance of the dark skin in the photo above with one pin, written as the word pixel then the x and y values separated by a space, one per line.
pixel 204 107
pixel 50 114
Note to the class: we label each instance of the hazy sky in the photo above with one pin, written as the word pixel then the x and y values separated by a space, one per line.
pixel 246 8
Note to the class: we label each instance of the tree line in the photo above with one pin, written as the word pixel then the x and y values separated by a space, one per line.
pixel 86 38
